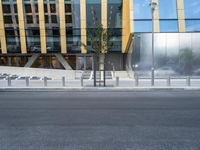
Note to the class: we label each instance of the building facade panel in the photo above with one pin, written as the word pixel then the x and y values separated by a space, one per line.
pixel 21 26
pixel 2 31
pixel 42 21
pixel 83 26
pixel 60 26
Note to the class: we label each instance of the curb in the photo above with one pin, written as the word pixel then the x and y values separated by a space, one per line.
pixel 100 89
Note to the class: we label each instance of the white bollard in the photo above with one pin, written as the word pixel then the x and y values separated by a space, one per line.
pixel 117 81
pixel 188 81
pixel 27 81
pixel 82 81
pixel 9 81
pixel 168 81
pixel 63 81
pixel 45 81
pixel 136 81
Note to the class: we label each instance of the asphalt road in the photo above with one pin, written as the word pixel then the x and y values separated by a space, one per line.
pixel 100 120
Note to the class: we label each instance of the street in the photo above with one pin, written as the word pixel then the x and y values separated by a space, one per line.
pixel 154 120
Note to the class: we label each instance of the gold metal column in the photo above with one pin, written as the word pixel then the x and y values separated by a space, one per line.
pixel 42 26
pixel 156 18
pixel 181 15
pixel 126 30
pixel 21 26
pixel 104 13
pixel 2 31
pixel 83 25
pixel 63 38
pixel 131 17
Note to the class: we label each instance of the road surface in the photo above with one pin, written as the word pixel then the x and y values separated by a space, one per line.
pixel 157 120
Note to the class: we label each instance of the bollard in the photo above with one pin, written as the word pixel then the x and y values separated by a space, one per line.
pixel 152 77
pixel 45 81
pixel 81 81
pixel 136 80
pixel 168 81
pixel 188 80
pixel 27 81
pixel 117 81
pixel 63 81
pixel 9 81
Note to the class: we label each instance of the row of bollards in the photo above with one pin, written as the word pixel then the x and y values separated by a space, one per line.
pixel 27 81
pixel 188 81
pixel 63 81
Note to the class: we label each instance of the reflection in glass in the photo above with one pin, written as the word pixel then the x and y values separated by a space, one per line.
pixel 73 32
pixel 33 40
pixel 167 9
pixel 176 54
pixel 143 26
pixel 53 40
pixel 115 23
pixel 142 9
pixel 168 26
pixel 93 12
pixel 192 25
pixel 12 40
pixel 192 9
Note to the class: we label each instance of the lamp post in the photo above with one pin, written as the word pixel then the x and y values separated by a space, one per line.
pixel 153 7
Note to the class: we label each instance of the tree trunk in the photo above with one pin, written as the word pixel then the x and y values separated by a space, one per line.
pixel 101 65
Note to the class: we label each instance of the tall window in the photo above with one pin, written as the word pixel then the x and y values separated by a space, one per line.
pixel 168 16
pixel 142 16
pixel 114 19
pixel 11 25
pixel 192 15
pixel 93 12
pixel 72 14
pixel 93 15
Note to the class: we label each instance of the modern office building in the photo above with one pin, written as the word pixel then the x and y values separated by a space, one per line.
pixel 45 33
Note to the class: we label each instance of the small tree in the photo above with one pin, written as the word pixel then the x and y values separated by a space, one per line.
pixel 100 41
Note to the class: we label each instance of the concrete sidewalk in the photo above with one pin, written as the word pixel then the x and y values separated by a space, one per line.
pixel 111 85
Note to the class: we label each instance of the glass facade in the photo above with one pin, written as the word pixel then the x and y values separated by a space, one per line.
pixel 143 26
pixel 192 10
pixel 52 25
pixel 168 16
pixel 73 32
pixel 12 40
pixel 192 25
pixel 141 6
pixel 192 15
pixel 168 25
pixel 32 26
pixel 167 10
pixel 93 15
pixel 114 20
pixel 93 12
pixel 11 26
pixel 175 54
pixel 142 21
